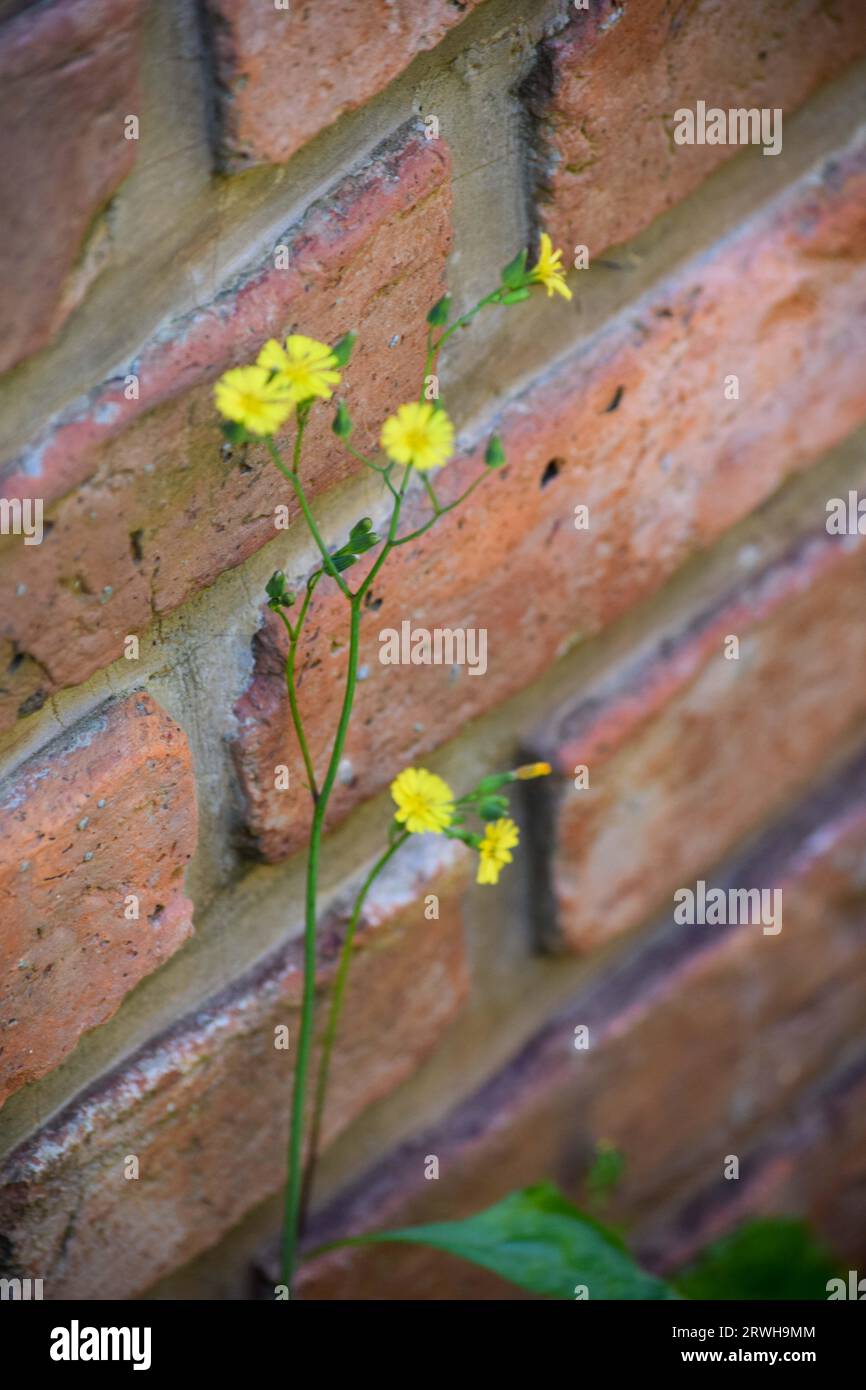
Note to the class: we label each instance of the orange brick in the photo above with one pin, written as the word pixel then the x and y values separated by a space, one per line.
pixel 285 74
pixel 605 90
pixel 106 811
pixel 686 749
pixel 68 79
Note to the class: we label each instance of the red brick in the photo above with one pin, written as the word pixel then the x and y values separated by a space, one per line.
pixel 205 1108
pixel 639 430
pixel 146 505
pixel 68 79
pixel 605 90
pixel 285 75
pixel 105 811
pixel 703 1043
pixel 658 808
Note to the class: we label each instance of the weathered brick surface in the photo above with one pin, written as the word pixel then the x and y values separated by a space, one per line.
pixel 812 1167
pixel 286 74
pixel 68 78
pixel 686 749
pixel 605 90
pixel 701 1044
pixel 105 811
pixel 146 505
pixel 205 1108
pixel 636 427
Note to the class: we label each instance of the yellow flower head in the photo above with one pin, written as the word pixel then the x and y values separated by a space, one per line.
pixel 527 771
pixel 548 269
pixel 495 849
pixel 419 435
pixel 424 801
pixel 249 396
pixel 305 367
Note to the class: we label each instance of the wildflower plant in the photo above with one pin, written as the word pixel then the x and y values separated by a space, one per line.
pixel 286 383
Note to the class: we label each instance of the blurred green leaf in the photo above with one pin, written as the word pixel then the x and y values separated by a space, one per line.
pixel 767 1259
pixel 538 1240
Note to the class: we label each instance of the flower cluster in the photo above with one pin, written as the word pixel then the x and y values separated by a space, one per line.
pixel 426 804
pixel 287 377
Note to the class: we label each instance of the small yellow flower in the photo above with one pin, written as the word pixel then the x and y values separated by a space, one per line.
pixel 250 397
pixel 495 849
pixel 548 270
pixel 305 367
pixel 424 801
pixel 527 771
pixel 419 435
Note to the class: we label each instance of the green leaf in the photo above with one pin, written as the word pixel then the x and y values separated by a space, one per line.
pixel 342 423
pixel 514 274
pixel 766 1259
pixel 342 349
pixel 494 454
pixel 515 296
pixel 536 1239
pixel 438 315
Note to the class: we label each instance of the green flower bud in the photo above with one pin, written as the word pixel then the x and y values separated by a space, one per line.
pixel 494 454
pixel 342 423
pixel 438 315
pixel 514 274
pixel 342 349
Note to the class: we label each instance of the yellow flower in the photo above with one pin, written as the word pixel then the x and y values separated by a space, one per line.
pixel 495 849
pixel 527 771
pixel 419 435
pixel 305 367
pixel 249 396
pixel 548 271
pixel 424 801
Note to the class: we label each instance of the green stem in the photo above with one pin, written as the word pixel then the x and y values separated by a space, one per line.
pixel 333 1023
pixel 294 636
pixel 413 535
pixel 296 1133
pixel 292 475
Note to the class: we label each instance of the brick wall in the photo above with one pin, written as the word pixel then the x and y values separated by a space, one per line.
pixel 157 158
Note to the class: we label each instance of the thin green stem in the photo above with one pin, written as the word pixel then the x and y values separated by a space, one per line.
pixel 413 535
pixel 293 477
pixel 291 1227
pixel 333 1022
pixel 465 319
pixel 297 721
